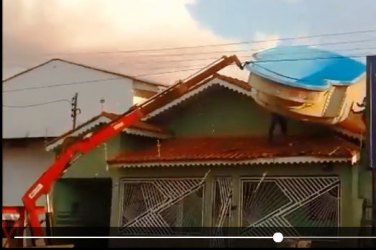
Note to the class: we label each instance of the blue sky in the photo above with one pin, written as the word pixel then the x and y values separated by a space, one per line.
pixel 241 19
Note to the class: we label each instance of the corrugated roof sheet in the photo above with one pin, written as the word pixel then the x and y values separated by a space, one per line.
pixel 237 149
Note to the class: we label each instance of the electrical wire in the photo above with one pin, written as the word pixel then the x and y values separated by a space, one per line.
pixel 165 58
pixel 183 70
pixel 245 50
pixel 316 53
pixel 223 44
pixel 63 84
pixel 168 72
pixel 37 104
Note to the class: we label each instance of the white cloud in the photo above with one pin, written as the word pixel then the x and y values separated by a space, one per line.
pixel 34 28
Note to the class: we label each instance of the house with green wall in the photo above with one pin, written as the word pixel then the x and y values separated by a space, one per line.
pixel 206 159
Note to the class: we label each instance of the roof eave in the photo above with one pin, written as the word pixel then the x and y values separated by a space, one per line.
pixel 259 161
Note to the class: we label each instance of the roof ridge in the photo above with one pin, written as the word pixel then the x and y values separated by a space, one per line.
pixel 85 66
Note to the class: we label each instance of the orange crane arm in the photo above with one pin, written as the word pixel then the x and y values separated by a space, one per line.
pixel 83 146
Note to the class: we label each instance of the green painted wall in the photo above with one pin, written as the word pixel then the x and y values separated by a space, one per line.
pixel 94 163
pixel 222 112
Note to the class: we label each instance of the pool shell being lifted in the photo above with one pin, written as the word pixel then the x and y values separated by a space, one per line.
pixel 307 83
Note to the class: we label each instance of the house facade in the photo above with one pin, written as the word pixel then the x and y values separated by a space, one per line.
pixel 214 164
pixel 37 108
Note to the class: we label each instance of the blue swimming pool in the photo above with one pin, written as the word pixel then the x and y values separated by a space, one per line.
pixel 306 67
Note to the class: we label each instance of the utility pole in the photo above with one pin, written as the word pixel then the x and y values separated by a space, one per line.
pixel 75 109
pixel 371 128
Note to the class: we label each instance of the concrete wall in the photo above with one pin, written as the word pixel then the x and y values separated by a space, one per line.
pixel 22 166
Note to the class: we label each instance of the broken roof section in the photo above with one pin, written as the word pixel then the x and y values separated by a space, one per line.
pixel 140 128
pixel 239 150
pixel 36 102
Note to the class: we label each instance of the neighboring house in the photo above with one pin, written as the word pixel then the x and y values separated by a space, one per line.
pixel 213 166
pixel 37 108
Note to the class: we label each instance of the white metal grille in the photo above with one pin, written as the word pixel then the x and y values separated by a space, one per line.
pixel 159 206
pixel 222 208
pixel 289 203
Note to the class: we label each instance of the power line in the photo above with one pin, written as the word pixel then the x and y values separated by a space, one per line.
pixel 169 72
pixel 188 69
pixel 255 62
pixel 312 53
pixel 245 56
pixel 220 44
pixel 37 104
pixel 257 49
pixel 63 84
pixel 166 56
pixel 213 58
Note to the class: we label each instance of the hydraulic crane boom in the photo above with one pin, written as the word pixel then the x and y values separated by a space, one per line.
pixel 83 146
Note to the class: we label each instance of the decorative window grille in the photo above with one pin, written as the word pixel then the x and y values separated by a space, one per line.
pixel 221 209
pixel 162 206
pixel 294 205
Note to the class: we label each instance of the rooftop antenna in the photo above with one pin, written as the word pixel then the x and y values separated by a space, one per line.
pixel 102 101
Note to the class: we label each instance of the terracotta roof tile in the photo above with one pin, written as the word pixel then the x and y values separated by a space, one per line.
pixel 139 124
pixel 237 149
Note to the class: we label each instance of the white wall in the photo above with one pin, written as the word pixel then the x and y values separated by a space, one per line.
pixel 21 167
pixel 55 119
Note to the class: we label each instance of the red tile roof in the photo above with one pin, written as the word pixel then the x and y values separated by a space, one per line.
pixel 138 125
pixel 237 149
